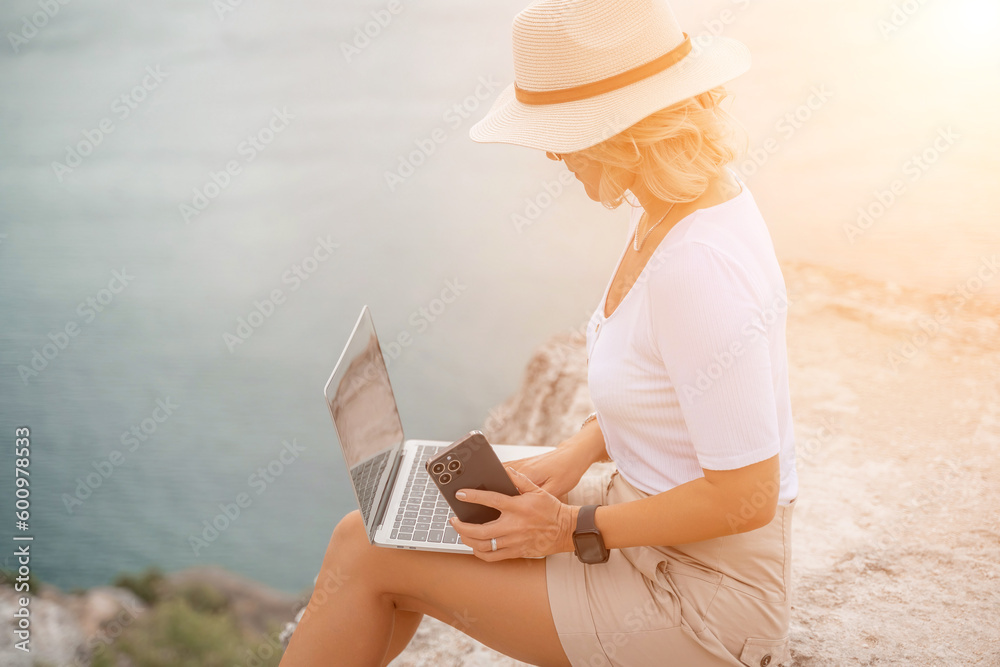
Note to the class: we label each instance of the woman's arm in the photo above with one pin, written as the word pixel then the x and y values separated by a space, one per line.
pixel 723 502
pixel 588 443
pixel 559 470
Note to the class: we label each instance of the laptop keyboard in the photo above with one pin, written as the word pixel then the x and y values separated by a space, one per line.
pixel 365 478
pixel 423 512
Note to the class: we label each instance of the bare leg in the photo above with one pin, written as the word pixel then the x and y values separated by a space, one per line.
pixel 404 627
pixel 361 589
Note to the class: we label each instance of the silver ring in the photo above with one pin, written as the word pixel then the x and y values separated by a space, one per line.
pixel 493 543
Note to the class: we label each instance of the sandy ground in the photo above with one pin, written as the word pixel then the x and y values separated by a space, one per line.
pixel 897 527
pixel 897 536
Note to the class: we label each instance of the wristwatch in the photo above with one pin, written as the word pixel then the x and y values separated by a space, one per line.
pixel 587 539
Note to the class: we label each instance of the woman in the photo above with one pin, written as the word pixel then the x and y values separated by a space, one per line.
pixel 687 369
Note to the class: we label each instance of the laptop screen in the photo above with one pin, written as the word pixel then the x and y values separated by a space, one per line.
pixel 364 410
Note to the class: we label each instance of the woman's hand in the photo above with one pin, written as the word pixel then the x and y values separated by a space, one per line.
pixel 530 525
pixel 556 471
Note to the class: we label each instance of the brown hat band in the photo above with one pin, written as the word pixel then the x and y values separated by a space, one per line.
pixel 608 84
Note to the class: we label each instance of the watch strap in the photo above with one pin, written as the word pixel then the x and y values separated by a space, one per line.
pixel 586 529
pixel 585 519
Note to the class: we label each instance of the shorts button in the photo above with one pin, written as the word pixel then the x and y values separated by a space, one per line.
pixel 765 661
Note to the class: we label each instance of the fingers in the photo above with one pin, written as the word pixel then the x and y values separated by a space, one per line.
pixel 522 466
pixel 478 544
pixel 482 497
pixel 526 465
pixel 478 536
pixel 517 463
pixel 483 549
pixel 493 556
pixel 477 531
pixel 521 481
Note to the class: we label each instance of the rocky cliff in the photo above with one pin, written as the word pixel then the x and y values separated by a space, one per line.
pixel 69 629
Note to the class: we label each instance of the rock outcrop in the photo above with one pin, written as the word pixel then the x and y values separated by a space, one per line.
pixel 66 628
pixel 63 625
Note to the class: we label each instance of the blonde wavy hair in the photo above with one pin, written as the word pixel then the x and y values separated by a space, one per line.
pixel 675 151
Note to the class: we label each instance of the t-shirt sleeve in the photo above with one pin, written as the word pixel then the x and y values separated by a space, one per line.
pixel 708 323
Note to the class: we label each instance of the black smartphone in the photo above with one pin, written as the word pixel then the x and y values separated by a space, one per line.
pixel 470 463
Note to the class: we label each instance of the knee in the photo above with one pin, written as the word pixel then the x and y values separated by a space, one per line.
pixel 349 529
pixel 348 544
pixel 339 568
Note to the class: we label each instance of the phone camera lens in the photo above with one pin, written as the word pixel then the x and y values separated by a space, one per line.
pixel 445 478
pixel 454 465
pixel 438 468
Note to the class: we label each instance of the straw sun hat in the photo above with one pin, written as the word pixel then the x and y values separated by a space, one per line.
pixel 584 70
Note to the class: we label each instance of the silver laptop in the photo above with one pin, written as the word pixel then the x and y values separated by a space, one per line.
pixel 400 505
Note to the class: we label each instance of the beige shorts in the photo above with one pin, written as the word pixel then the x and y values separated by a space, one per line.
pixel 723 601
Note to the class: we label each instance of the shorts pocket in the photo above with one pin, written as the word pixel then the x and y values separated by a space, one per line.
pixel 766 652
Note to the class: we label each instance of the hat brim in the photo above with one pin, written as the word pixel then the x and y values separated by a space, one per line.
pixel 573 126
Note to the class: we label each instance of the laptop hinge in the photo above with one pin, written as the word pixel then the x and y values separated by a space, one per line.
pixel 383 503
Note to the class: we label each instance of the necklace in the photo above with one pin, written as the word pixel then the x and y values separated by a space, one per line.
pixel 636 243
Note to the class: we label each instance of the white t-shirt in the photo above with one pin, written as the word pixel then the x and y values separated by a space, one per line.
pixel 691 369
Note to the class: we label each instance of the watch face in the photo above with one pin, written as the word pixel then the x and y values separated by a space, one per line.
pixel 590 548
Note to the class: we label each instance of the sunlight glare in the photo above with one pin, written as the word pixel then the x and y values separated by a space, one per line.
pixel 979 18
